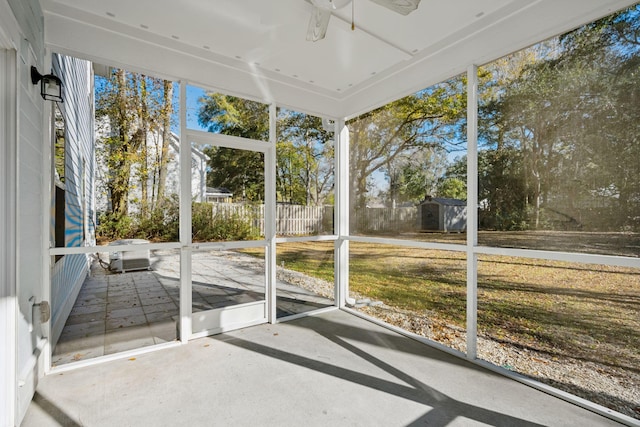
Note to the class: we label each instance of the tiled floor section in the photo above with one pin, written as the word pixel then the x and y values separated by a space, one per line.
pixel 119 312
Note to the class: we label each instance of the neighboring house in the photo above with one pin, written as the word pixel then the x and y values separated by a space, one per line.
pixel 172 185
pixel 218 195
pixel 73 219
pixel 442 214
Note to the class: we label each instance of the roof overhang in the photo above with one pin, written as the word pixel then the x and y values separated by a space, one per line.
pixel 257 49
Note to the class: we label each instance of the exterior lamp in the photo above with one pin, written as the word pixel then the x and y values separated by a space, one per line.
pixel 50 85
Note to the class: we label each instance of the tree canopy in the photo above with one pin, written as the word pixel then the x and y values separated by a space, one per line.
pixel 558 133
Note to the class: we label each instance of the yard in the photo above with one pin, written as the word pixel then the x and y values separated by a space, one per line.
pixel 573 325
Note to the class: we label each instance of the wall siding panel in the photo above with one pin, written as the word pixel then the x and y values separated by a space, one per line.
pixel 70 271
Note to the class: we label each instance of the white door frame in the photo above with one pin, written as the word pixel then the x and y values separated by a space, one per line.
pixel 241 315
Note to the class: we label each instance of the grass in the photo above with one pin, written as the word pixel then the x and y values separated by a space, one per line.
pixel 589 312
pixel 574 310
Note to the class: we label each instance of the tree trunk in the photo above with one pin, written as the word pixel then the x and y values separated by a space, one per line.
pixel 166 137
pixel 120 156
pixel 143 116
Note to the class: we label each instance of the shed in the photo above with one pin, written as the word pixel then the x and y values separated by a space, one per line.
pixel 442 214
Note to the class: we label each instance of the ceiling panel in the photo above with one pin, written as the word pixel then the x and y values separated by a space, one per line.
pixel 258 47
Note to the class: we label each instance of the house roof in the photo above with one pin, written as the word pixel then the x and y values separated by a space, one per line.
pixel 219 192
pixel 445 201
pixel 257 48
pixel 195 151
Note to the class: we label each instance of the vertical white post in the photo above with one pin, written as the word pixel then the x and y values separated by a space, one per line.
pixel 8 291
pixel 270 216
pixel 472 210
pixel 185 220
pixel 48 123
pixel 341 213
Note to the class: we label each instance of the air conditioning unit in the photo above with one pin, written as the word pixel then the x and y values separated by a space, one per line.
pixel 124 261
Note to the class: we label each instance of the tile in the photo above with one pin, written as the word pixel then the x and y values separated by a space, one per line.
pixel 83 329
pixel 122 306
pixel 160 316
pixel 165 281
pixel 77 344
pixel 169 307
pixel 120 293
pixel 119 340
pixel 244 298
pixel 125 312
pixel 75 319
pixel 89 301
pixel 125 322
pixel 155 300
pixel 130 300
pixel 148 283
pixel 120 283
pixel 222 303
pixel 160 292
pixel 96 308
pixel 95 285
pixel 212 292
pixel 200 306
pixel 80 349
pixel 217 299
pixel 90 294
pixel 164 332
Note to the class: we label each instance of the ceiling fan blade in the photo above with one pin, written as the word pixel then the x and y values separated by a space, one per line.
pixel 403 7
pixel 318 24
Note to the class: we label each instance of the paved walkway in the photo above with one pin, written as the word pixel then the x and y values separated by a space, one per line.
pixel 119 312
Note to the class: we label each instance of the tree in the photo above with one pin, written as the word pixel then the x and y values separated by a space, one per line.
pixel 240 171
pixel 560 126
pixel 305 155
pixel 405 139
pixel 115 104
pixel 304 170
pixel 131 109
pixel 414 175
pixel 453 188
pixel 162 159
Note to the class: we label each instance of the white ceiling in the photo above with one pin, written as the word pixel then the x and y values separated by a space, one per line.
pixel 257 48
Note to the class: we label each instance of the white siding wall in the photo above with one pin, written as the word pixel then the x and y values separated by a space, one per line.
pixel 30 198
pixel 69 273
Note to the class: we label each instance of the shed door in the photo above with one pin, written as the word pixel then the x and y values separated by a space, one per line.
pixel 430 216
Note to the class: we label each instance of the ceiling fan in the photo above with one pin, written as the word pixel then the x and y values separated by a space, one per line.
pixel 322 13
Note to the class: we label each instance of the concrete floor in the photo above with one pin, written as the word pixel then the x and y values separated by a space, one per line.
pixel 116 312
pixel 333 369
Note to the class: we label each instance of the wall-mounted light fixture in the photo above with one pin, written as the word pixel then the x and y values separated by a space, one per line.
pixel 50 85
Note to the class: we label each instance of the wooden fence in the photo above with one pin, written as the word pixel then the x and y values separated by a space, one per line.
pixel 384 220
pixel 296 220
pixel 291 220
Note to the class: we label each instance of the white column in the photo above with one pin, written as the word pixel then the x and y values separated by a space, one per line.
pixel 270 216
pixel 48 124
pixel 472 210
pixel 341 213
pixel 185 220
pixel 8 177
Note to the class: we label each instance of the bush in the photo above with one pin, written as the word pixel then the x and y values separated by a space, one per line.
pixel 112 226
pixel 162 224
pixel 231 225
